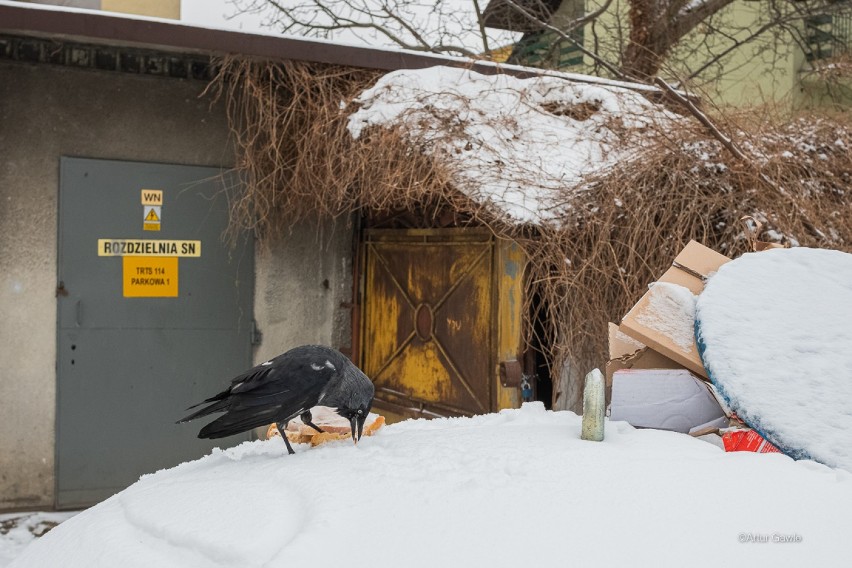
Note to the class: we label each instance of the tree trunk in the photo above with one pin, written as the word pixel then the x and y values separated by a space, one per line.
pixel 656 26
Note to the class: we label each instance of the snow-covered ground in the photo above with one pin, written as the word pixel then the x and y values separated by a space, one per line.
pixel 505 489
pixel 18 530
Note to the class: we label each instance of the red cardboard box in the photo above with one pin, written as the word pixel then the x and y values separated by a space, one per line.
pixel 747 440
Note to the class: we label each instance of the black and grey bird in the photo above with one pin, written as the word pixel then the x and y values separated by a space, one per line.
pixel 287 386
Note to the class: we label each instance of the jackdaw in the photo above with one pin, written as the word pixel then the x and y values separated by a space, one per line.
pixel 288 386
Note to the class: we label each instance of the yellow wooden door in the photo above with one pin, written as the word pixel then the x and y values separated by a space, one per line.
pixel 428 320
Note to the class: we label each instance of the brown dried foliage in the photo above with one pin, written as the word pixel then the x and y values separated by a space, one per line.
pixel 298 161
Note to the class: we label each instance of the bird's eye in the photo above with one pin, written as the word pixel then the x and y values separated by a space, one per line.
pixel 360 412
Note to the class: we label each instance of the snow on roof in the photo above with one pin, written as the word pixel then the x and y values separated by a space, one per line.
pixel 774 333
pixel 498 490
pixel 519 144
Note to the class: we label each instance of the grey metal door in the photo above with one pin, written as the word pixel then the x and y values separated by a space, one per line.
pixel 154 313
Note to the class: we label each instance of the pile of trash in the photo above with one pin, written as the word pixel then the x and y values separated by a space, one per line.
pixel 766 373
pixel 654 376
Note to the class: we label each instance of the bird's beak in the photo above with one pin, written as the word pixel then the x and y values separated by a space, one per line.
pixel 361 420
pixel 353 423
pixel 356 423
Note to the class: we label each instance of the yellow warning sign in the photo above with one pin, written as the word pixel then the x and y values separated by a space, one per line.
pixel 148 247
pixel 150 277
pixel 152 197
pixel 151 219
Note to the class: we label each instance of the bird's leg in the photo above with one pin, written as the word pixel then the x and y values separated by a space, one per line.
pixel 306 419
pixel 282 427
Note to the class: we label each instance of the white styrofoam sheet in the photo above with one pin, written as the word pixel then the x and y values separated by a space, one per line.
pixel 666 399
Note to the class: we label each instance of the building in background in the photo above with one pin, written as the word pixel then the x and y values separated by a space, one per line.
pixel 122 301
pixel 767 68
pixel 154 8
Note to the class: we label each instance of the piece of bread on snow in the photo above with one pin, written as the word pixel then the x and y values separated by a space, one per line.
pixel 370 428
pixel 334 426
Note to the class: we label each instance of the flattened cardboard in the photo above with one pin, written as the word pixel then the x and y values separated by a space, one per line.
pixel 665 399
pixel 711 427
pixel 627 353
pixel 621 344
pixel 690 269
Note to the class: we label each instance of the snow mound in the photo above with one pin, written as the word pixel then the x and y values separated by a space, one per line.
pixel 496 490
pixel 774 330
pixel 519 144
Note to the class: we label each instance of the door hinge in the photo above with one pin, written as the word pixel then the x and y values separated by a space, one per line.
pixel 256 335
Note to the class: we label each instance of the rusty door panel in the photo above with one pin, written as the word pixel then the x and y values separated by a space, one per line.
pixel 428 319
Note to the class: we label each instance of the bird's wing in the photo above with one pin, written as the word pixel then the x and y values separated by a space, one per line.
pixel 265 394
pixel 221 401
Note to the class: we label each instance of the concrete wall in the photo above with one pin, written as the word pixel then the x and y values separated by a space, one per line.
pixel 302 278
pixel 48 111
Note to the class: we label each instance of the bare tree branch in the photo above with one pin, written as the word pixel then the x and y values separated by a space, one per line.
pixel 728 143
pixel 481 22
pixel 688 17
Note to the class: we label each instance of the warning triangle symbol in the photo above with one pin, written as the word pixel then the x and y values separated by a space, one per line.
pixel 152 216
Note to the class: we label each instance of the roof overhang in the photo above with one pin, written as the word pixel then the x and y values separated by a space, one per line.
pixel 175 37
pixel 171 37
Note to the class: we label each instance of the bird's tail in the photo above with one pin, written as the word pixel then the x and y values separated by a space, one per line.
pixel 217 406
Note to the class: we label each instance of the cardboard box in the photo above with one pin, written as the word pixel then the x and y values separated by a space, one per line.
pixel 712 427
pixel 627 353
pixel 621 344
pixel 660 319
pixel 666 399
